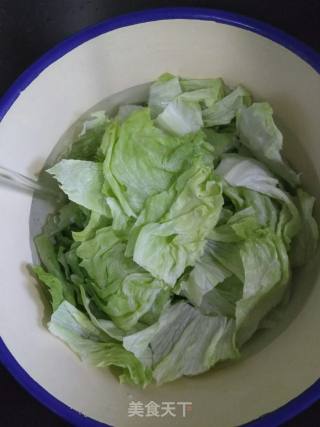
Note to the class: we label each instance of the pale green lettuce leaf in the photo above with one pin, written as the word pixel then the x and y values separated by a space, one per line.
pixel 82 182
pixel 258 257
pixel 96 221
pixel 120 221
pixel 95 120
pixel 225 110
pixel 206 275
pixel 217 85
pixel 161 302
pixel 133 299
pixel 305 243
pixel 163 91
pixel 53 284
pixel 205 92
pixel 266 209
pixel 238 227
pixel 167 247
pixel 142 160
pixel 103 259
pixel 259 133
pixel 180 117
pixel 162 346
pixel 240 171
pixel 221 141
pixel 228 255
pixel 105 325
pixel 266 269
pixel 123 291
pixel 222 299
pixel 49 259
pixel 93 346
pixel 126 110
pixel 86 145
pixel 69 216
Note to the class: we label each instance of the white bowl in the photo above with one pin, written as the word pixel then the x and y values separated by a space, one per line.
pixel 37 110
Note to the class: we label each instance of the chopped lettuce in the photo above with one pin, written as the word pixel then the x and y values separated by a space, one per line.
pixel 162 92
pixel 167 245
pixel 182 228
pixel 183 342
pixel 305 243
pixel 225 110
pixel 261 136
pixel 95 347
pixel 180 117
pixel 82 181
pixel 142 160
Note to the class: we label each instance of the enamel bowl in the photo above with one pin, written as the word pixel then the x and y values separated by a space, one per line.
pixel 278 374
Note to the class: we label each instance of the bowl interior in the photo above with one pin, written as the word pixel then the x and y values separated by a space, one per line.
pixel 277 365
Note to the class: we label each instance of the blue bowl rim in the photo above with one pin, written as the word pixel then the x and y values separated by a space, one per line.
pixel 310 56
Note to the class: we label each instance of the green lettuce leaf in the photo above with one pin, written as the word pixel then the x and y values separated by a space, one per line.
pixel 82 182
pixel 305 243
pixel 105 325
pixel 266 270
pixel 180 117
pixel 49 259
pixel 53 284
pixel 224 111
pixel 86 145
pixel 162 346
pixel 259 133
pixel 165 248
pixel 162 92
pixel 205 276
pixel 222 299
pixel 122 289
pixel 141 160
pixel 94 347
pixel 126 110
pixel 240 171
pixel 102 258
pixel 221 141
pixel 96 221
pixel 69 216
pixel 215 85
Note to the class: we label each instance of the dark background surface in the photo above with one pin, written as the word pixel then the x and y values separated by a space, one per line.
pixel 28 28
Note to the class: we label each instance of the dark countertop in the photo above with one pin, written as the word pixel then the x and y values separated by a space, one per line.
pixel 29 28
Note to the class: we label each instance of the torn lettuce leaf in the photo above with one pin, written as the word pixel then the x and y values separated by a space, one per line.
pixel 162 92
pixel 205 276
pixel 180 117
pixel 53 284
pixel 240 171
pixel 126 110
pixel 167 245
pixel 225 110
pixel 85 146
pixel 305 242
pixel 142 160
pixel 82 182
pixel 266 276
pixel 261 136
pixel 216 86
pixel 123 290
pixel 162 346
pixel 93 346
